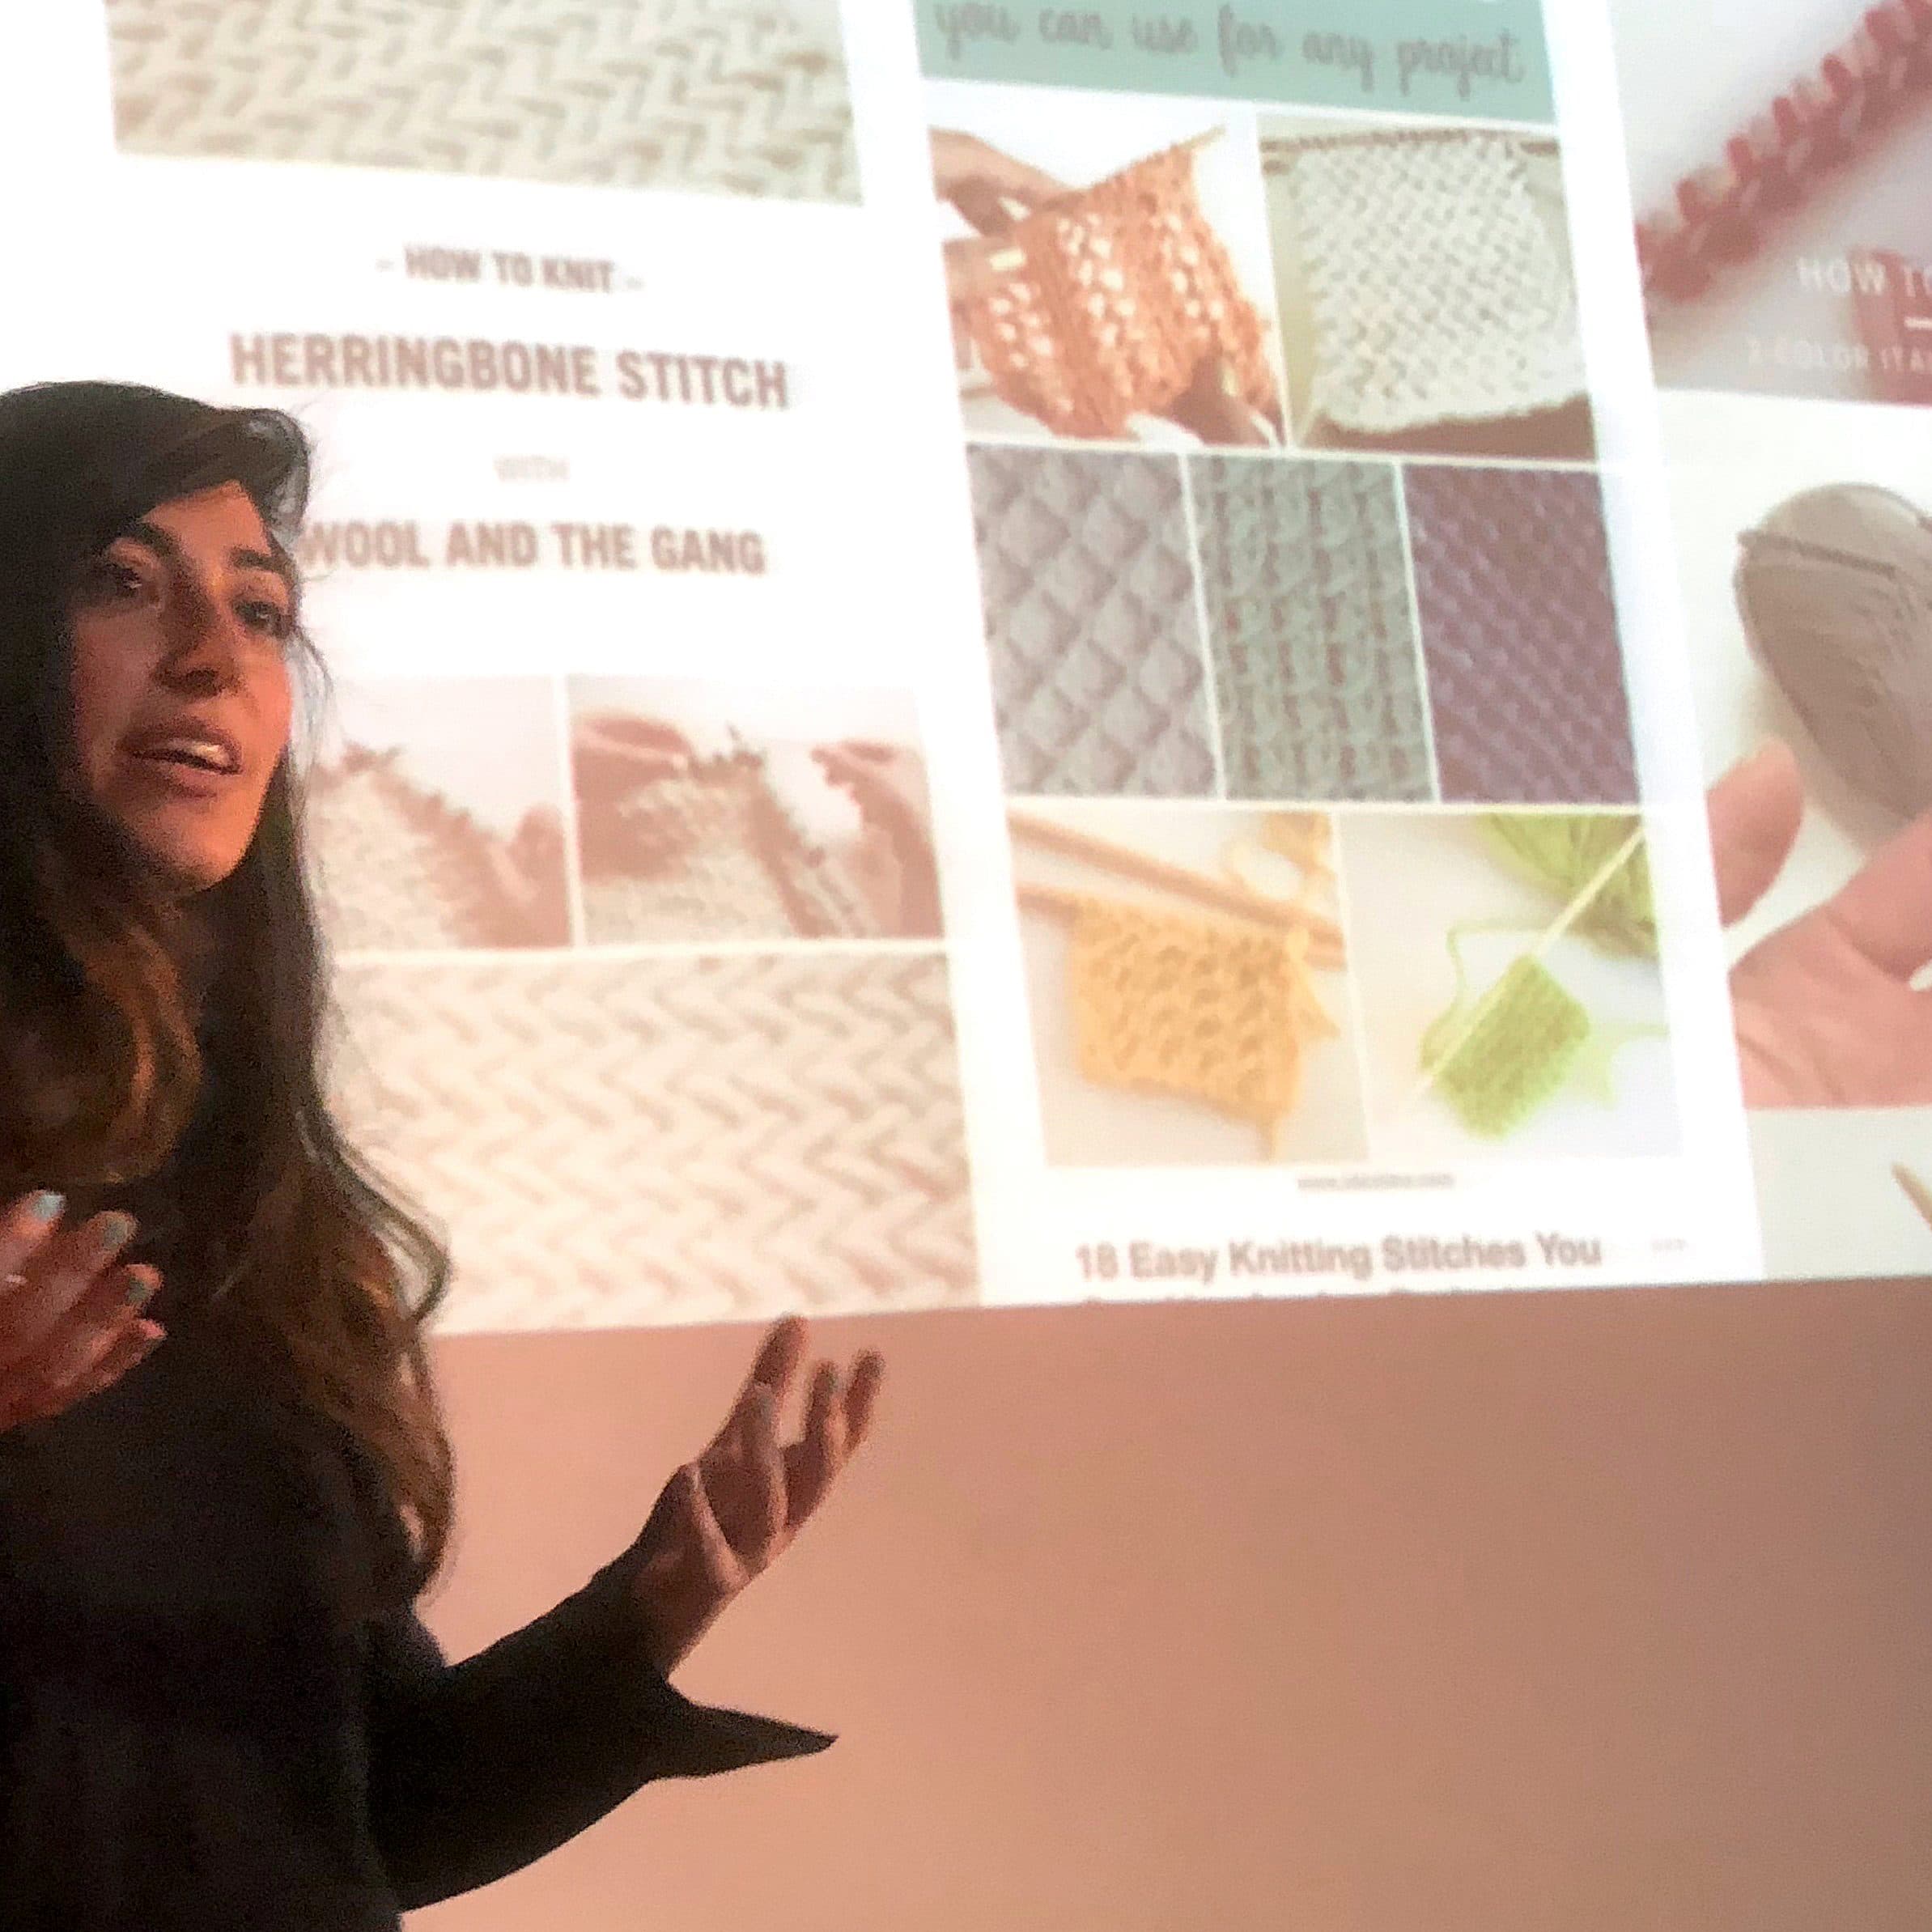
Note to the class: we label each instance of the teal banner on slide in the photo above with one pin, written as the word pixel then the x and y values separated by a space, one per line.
pixel 1484 59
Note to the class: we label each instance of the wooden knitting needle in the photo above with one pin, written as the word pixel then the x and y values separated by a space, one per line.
pixel 1055 902
pixel 1279 916
pixel 1574 910
pixel 1062 904
pixel 1916 1191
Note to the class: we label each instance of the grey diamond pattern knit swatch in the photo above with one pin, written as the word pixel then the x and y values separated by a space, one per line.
pixel 1091 622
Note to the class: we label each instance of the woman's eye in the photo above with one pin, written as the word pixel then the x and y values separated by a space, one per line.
pixel 110 578
pixel 266 618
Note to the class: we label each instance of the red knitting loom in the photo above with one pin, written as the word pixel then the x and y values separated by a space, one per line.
pixel 1820 123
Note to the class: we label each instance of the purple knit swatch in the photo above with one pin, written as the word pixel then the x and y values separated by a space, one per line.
pixel 1519 633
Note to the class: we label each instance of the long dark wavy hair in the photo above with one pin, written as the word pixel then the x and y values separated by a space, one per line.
pixel 167 1055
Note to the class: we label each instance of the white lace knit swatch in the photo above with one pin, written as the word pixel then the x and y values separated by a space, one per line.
pixel 740 96
pixel 1439 293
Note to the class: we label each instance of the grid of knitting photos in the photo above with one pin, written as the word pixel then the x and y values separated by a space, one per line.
pixel 1304 645
pixel 656 959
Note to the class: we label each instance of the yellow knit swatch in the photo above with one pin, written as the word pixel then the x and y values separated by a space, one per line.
pixel 1206 1009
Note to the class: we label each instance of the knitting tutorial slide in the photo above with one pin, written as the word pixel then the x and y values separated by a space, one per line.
pixel 1778 158
pixel 985 658
pixel 737 1056
pixel 1006 685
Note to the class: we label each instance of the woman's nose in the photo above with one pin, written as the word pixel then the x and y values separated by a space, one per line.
pixel 205 640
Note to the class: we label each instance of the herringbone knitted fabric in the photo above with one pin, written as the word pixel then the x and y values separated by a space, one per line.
pixel 718 857
pixel 1316 675
pixel 398 868
pixel 1126 290
pixel 1088 580
pixel 740 96
pixel 671 1139
pixel 1439 293
pixel 1519 631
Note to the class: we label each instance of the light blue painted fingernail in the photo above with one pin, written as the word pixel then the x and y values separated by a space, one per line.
pixel 44 1208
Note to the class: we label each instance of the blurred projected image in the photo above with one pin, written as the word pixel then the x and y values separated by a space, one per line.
pixel 1806 560
pixel 1427 297
pixel 715 813
pixel 1187 974
pixel 435 816
pixel 1784 225
pixel 1512 997
pixel 727 97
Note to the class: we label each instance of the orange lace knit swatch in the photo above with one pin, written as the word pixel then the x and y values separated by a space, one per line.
pixel 1126 290
pixel 1202 1009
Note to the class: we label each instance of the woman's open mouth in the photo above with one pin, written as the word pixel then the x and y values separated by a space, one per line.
pixel 193 759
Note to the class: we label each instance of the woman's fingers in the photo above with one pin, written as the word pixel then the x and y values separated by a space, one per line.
pixel 136 1341
pixel 743 1475
pixel 78 1344
pixel 50 1286
pixel 25 1230
pixel 780 1356
pixel 819 1454
pixel 862 1397
pixel 837 1422
pixel 69 1316
pixel 759 1489
pixel 767 1509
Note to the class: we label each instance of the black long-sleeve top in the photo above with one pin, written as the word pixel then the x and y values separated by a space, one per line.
pixel 198 1729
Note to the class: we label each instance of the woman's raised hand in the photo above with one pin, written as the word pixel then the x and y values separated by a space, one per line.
pixel 70 1321
pixel 726 1518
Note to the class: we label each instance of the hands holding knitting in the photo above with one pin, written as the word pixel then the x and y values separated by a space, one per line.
pixel 888 784
pixel 724 1519
pixel 1826 1011
pixel 992 192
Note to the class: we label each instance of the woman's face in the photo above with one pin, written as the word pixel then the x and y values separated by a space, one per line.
pixel 181 688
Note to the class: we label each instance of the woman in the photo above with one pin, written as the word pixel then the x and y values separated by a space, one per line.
pixel 224 1480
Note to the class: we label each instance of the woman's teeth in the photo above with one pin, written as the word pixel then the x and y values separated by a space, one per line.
pixel 199 754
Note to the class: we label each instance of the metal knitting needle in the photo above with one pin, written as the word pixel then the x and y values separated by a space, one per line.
pixel 1574 910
